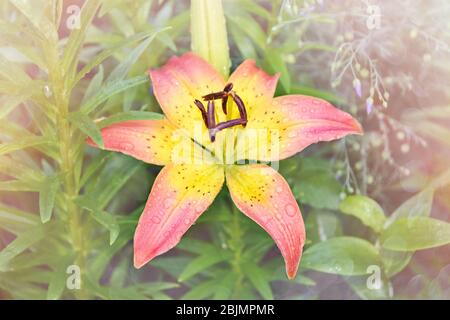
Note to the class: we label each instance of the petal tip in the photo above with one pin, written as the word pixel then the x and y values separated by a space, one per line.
pixel 139 260
pixel 358 129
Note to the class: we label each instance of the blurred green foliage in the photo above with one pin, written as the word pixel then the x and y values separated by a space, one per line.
pixel 364 201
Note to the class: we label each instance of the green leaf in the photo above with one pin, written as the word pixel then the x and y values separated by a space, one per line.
pixel 418 205
pixel 201 291
pixel 111 89
pixel 108 186
pixel 33 11
pixel 224 286
pixel 273 61
pixel 11 103
pixel 243 43
pixel 255 8
pixel 119 274
pixel 87 126
pixel 122 69
pixel 317 187
pixel 202 262
pixel 360 286
pixel 96 164
pixel 415 233
pixel 57 282
pixel 249 26
pixel 22 143
pixel 394 261
pixel 322 225
pixel 103 258
pixel 365 209
pixel 109 222
pixel 17 185
pixel 130 115
pixel 341 255
pixel 94 85
pixel 172 265
pixel 77 36
pixel 20 244
pixel 47 197
pixel 259 279
pixel 329 96
pixel 16 221
pixel 102 56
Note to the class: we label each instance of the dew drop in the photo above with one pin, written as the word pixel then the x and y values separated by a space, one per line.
pixel 126 146
pixel 292 134
pixel 199 209
pixel 168 203
pixel 156 219
pixel 279 189
pixel 290 210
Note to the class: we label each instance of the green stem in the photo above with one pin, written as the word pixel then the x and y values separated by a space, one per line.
pixel 236 234
pixel 67 160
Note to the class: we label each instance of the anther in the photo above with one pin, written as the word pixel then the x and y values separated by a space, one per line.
pixel 209 115
pixel 203 111
pixel 241 108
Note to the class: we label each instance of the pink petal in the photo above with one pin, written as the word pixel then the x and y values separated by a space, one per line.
pixel 264 196
pixel 148 140
pixel 299 121
pixel 253 85
pixel 179 82
pixel 180 194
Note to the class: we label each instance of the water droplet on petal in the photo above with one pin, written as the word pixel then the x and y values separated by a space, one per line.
pixel 199 208
pixel 292 134
pixel 126 146
pixel 279 189
pixel 168 203
pixel 156 219
pixel 290 210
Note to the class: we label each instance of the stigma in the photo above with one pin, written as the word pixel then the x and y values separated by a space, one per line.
pixel 208 114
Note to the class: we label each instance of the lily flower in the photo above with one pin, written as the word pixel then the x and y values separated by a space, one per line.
pixel 187 89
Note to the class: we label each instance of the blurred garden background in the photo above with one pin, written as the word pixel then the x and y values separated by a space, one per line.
pixel 376 207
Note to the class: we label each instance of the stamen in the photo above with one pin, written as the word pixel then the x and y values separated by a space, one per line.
pixel 203 111
pixel 224 104
pixel 228 87
pixel 209 116
pixel 241 108
pixel 222 126
pixel 214 96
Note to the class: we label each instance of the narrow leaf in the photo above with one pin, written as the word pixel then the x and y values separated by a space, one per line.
pixel 47 197
pixel 109 222
pixel 87 126
pixel 130 115
pixel 201 263
pixel 109 90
